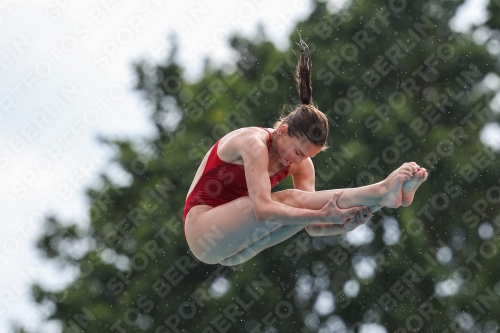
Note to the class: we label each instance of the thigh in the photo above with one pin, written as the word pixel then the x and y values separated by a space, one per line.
pixel 219 232
pixel 277 236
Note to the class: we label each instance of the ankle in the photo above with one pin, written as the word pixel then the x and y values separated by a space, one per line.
pixel 382 191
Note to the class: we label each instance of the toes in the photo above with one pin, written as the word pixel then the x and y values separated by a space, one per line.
pixel 408 165
pixel 415 166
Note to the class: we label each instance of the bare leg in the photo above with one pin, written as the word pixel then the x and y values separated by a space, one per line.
pixel 285 231
pixel 317 200
pixel 220 232
pixel 386 193
pixel 390 195
pixel 294 198
pixel 275 237
pixel 214 234
pixel 231 234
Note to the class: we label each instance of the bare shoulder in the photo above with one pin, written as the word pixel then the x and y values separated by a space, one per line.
pixel 231 145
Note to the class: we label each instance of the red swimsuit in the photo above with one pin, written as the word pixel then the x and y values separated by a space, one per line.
pixel 222 182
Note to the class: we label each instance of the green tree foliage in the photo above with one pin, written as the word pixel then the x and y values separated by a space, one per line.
pixel 397 85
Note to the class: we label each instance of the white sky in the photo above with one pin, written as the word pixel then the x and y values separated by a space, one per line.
pixel 48 152
pixel 85 48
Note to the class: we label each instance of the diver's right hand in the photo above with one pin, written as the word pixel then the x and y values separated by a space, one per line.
pixel 331 213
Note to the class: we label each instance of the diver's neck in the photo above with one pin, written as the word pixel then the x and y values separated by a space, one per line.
pixel 273 151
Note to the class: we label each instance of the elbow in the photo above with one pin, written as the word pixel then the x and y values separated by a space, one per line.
pixel 260 215
pixel 261 211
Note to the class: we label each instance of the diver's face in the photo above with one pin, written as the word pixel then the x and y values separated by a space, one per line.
pixel 293 150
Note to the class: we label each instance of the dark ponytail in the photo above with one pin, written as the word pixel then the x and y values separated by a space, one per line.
pixel 303 74
pixel 305 121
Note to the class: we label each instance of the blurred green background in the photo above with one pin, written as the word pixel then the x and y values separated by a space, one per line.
pixel 397 85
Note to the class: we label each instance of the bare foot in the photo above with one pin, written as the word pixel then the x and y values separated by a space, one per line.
pixel 392 185
pixel 409 187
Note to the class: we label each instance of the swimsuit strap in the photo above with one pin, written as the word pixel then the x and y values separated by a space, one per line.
pixel 270 138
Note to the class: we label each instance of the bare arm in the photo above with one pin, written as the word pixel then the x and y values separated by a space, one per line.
pixel 255 158
pixel 303 180
pixel 304 176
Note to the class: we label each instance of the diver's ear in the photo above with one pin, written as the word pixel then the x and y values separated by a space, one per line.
pixel 283 130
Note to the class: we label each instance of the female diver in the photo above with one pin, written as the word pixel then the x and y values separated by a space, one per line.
pixel 230 213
